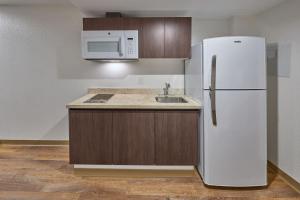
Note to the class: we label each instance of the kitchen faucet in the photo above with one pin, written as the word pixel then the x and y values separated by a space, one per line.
pixel 166 89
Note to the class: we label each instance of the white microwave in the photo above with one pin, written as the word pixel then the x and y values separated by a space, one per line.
pixel 110 45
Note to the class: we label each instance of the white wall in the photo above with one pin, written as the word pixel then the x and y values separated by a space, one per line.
pixel 41 69
pixel 206 28
pixel 281 26
pixel 246 25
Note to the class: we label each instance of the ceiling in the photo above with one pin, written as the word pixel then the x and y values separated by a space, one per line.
pixel 195 8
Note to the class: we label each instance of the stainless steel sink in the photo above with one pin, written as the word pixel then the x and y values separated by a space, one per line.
pixel 170 100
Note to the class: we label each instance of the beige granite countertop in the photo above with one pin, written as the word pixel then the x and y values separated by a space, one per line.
pixel 136 100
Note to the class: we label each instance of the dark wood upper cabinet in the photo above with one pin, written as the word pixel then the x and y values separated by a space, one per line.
pixel 159 37
pixel 114 23
pixel 90 137
pixel 153 38
pixel 132 24
pixel 176 137
pixel 133 137
pixel 178 37
pixel 92 24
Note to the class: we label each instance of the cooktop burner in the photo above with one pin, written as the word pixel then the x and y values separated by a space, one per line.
pixel 99 98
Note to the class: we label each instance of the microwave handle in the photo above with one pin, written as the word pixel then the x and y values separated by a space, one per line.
pixel 121 53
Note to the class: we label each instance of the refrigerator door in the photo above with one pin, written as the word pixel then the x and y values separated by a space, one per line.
pixel 235 147
pixel 240 62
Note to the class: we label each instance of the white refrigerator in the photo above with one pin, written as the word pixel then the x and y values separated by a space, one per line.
pixel 228 75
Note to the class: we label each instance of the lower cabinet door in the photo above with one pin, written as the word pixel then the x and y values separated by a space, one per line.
pixel 176 137
pixel 90 136
pixel 133 137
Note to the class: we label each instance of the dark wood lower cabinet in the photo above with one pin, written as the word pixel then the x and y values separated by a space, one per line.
pixel 90 137
pixel 133 137
pixel 176 137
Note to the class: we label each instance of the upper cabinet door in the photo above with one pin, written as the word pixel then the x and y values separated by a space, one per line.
pixel 153 38
pixel 178 37
pixel 90 24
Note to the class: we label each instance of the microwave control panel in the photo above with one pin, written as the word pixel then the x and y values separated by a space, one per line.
pixel 132 45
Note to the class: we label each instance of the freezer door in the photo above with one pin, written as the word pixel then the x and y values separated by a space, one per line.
pixel 235 152
pixel 240 62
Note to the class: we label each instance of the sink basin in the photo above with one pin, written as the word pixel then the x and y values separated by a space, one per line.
pixel 170 100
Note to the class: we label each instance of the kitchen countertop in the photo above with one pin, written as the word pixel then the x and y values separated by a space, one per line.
pixel 127 100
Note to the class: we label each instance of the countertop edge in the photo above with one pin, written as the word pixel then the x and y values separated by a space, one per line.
pixel 142 107
pixel 147 103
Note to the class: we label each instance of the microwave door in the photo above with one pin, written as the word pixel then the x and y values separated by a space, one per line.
pixel 104 48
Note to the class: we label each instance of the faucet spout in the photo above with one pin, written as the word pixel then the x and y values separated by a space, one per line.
pixel 166 89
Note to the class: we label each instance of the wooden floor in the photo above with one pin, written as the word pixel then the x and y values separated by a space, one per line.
pixel 43 173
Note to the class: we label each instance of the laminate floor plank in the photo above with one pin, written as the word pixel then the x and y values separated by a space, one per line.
pixel 43 173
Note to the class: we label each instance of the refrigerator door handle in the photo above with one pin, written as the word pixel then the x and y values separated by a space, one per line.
pixel 212 92
pixel 212 95
pixel 213 73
